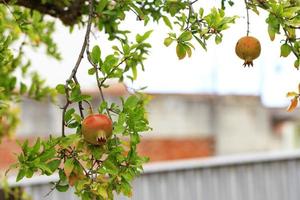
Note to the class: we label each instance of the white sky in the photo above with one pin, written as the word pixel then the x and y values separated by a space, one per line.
pixel 217 71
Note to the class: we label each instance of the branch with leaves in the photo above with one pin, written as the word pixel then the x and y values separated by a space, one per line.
pixel 98 170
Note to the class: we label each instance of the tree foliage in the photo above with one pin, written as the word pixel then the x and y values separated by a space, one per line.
pixel 98 171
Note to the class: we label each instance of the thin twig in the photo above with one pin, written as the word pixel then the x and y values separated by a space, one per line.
pixel 77 64
pixel 80 102
pixel 189 17
pixel 191 3
pixel 52 189
pixel 247 12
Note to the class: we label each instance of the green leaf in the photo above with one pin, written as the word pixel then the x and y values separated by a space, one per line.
pixel 167 22
pixel 81 98
pixel 101 5
pixel 186 36
pixel 60 88
pixel 44 168
pixel 110 167
pixel 271 33
pixel 12 83
pixel 76 117
pixel 168 41
pixel 36 148
pixel 102 192
pixel 102 106
pixel 68 114
pixel 188 50
pixel 110 62
pixel 285 50
pixel 131 102
pixel 96 54
pixel 296 63
pixel 53 165
pixel 218 39
pixel 126 188
pixel 141 38
pixel 68 167
pixel 23 88
pixel 21 174
pixel 62 175
pixel 62 188
pixel 25 147
pixel 97 152
pixel 47 154
pixel 138 10
pixel 29 173
pixel 201 12
pixel 91 71
pixel 134 72
pixel 180 51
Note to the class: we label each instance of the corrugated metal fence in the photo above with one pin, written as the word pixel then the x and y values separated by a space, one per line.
pixel 273 176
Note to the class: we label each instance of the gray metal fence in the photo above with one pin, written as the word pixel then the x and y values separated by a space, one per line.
pixel 273 176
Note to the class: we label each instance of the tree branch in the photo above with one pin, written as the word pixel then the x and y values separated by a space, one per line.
pixel 77 64
pixel 69 14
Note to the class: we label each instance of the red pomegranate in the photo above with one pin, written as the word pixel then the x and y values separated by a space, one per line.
pixel 248 48
pixel 97 128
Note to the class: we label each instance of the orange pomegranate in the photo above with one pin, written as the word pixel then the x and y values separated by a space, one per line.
pixel 97 128
pixel 248 48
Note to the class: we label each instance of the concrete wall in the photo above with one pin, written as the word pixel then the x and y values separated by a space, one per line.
pixel 242 125
pixel 180 116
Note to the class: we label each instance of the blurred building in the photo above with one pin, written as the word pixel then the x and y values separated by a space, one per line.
pixel 184 125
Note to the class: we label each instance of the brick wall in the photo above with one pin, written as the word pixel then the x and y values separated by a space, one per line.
pixel 156 149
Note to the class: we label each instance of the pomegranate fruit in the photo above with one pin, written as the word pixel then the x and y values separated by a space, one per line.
pixel 97 128
pixel 248 48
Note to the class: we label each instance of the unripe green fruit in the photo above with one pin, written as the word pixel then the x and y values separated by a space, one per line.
pixel 97 128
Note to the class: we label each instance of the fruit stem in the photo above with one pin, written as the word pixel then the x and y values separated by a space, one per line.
pixel 247 12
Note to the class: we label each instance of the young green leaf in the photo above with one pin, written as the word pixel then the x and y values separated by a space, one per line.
pixel 91 71
pixel 141 38
pixel 218 39
pixel 96 54
pixel 168 41
pixel 60 88
pixel 186 36
pixel 54 164
pixel 271 33
pixel 285 50
pixel 21 174
pixel 180 51
pixel 167 22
